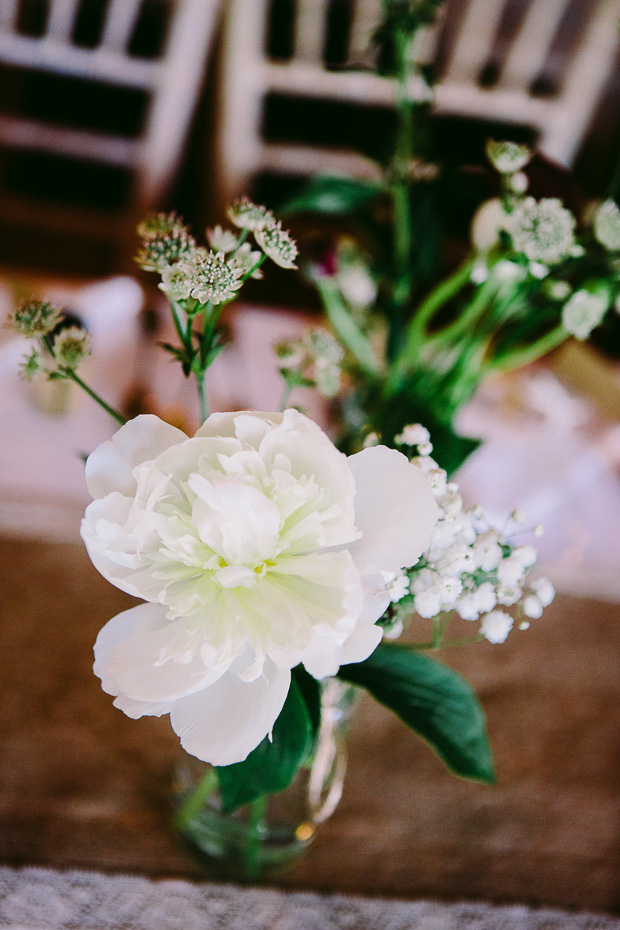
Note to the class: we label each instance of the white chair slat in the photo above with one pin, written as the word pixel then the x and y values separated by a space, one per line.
pixel 243 80
pixel 61 20
pixel 530 47
pixel 363 24
pixel 474 42
pixel 293 159
pixel 310 30
pixel 585 79
pixel 425 47
pixel 178 81
pixel 121 19
pixel 9 10
pixel 304 80
pixel 101 65
pixel 73 143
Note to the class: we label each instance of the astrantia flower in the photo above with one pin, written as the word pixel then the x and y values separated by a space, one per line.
pixel 277 244
pixel 583 312
pixel 36 317
pixel 542 229
pixel 257 546
pixel 251 216
pixel 222 240
pixel 72 346
pixel 214 278
pixel 607 225
pixel 165 241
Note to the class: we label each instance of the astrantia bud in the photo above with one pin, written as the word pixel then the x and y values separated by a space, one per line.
pixel 277 244
pixel 251 216
pixel 507 157
pixel 71 347
pixel 37 317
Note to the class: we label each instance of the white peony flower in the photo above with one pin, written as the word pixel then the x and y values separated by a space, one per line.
pixel 496 626
pixel 257 546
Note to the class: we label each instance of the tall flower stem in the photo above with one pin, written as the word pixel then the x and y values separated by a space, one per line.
pixel 528 354
pixel 69 373
pixel 258 809
pixel 400 184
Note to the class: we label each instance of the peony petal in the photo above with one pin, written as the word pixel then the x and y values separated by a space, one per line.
pixel 394 508
pixel 110 467
pixel 146 657
pixel 223 723
pixel 107 530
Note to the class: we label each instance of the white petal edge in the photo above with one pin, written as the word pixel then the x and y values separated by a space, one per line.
pixel 394 508
pixel 110 467
pixel 223 723
pixel 129 651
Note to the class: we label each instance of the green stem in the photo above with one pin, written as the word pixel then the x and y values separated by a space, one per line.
pixel 347 329
pixel 196 800
pixel 528 354
pixel 416 333
pixel 181 332
pixel 69 373
pixel 202 394
pixel 254 844
pixel 254 268
pixel 468 318
pixel 286 393
pixel 400 189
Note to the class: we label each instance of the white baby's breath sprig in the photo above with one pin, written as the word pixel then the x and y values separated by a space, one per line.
pixel 470 567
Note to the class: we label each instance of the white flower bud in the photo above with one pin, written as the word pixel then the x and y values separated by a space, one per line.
pixel 544 590
pixel 532 606
pixel 508 594
pixel 496 626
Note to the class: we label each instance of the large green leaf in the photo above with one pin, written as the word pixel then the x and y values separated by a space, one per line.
pixel 273 764
pixel 434 701
pixel 332 195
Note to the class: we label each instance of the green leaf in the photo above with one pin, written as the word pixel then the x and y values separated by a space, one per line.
pixel 434 701
pixel 310 690
pixel 273 764
pixel 332 195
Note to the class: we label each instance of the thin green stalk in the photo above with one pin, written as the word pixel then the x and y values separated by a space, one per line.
pixel 69 373
pixel 468 318
pixel 183 334
pixel 202 394
pixel 286 393
pixel 528 354
pixel 254 844
pixel 254 268
pixel 415 337
pixel 196 800
pixel 347 329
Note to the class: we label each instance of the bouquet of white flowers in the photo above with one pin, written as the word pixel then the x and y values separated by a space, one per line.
pixel 267 560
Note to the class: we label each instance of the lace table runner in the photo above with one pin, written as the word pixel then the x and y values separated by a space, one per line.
pixel 42 899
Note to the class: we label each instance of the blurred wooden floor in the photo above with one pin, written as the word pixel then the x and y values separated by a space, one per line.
pixel 81 785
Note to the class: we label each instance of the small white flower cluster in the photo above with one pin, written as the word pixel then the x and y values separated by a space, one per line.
pixel 318 353
pixel 469 567
pixel 543 230
pixel 583 312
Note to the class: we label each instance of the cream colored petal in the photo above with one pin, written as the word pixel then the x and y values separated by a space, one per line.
pixel 110 467
pixel 394 508
pixel 223 723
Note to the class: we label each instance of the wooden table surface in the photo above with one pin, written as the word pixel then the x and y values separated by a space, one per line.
pixel 81 785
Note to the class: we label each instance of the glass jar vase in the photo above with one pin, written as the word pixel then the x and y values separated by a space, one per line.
pixel 262 839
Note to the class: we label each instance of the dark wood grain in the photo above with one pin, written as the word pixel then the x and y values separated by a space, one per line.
pixel 81 785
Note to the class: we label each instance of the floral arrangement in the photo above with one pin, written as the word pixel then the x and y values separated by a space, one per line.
pixel 416 335
pixel 269 561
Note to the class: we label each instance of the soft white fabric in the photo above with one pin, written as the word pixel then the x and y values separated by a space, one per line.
pixel 42 899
